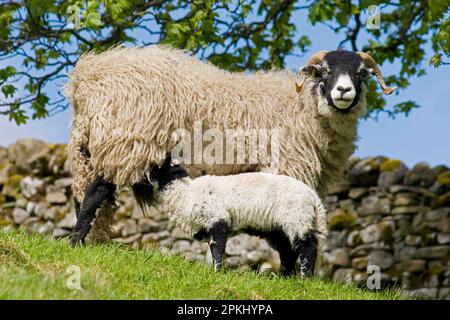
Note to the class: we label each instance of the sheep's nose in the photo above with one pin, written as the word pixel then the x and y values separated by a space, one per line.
pixel 343 90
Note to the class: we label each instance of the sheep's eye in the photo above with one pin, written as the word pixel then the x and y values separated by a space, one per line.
pixel 363 73
pixel 324 71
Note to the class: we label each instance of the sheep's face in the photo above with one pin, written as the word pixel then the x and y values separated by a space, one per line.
pixel 340 79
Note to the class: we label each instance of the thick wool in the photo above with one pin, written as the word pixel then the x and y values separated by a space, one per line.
pixel 261 201
pixel 128 101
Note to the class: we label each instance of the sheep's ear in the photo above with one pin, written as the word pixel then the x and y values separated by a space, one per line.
pixel 310 69
pixel 298 87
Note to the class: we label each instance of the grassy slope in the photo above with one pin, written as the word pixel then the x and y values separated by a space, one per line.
pixel 32 267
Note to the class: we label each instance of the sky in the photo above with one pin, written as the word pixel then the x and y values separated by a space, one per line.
pixel 422 136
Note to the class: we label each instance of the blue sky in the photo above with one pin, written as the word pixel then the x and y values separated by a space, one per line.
pixel 422 136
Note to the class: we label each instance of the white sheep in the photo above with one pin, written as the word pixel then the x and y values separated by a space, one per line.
pixel 285 211
pixel 127 102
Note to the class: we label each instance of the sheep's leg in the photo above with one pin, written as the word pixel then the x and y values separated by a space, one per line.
pixel 97 192
pixel 219 234
pixel 77 207
pixel 306 249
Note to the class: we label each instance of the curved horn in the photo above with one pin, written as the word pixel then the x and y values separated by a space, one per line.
pixel 318 57
pixel 370 62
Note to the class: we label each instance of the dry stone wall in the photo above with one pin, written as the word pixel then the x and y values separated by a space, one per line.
pixel 384 215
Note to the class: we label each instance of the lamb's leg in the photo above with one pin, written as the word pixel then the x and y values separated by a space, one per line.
pixel 306 249
pixel 219 234
pixel 97 192
pixel 280 242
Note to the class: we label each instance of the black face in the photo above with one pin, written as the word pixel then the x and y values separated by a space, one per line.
pixel 340 77
pixel 167 173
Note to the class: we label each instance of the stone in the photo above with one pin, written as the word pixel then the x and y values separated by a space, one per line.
pixel 181 246
pixel 365 172
pixel 381 258
pixel 436 215
pixel 360 263
pixel 374 205
pixel 46 228
pixel 19 215
pixel 129 228
pixel 31 187
pixel 377 232
pixel 234 261
pixel 443 225
pixel 403 253
pixel 444 294
pixel 29 156
pixel 56 198
pixel 340 219
pixel 68 222
pixel 392 172
pixel 254 256
pixel 155 236
pixel 432 252
pixel 6 170
pixel 357 193
pixel 63 183
pixel 406 199
pixel 354 238
pixel 339 188
pixel 423 293
pixel 132 239
pixel 408 210
pixel 335 239
pixel 338 257
pixel 148 225
pixel 443 238
pixel 177 233
pixel 415 265
pixel 413 240
pixel 60 233
pixel 431 281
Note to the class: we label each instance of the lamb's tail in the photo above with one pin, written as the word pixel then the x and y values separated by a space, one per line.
pixel 321 224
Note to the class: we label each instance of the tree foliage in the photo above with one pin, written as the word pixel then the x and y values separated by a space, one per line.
pixel 40 40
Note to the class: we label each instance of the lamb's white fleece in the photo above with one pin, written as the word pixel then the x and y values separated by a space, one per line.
pixel 261 201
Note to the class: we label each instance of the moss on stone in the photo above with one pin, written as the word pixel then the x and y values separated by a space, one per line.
pixel 341 220
pixel 444 178
pixel 441 201
pixel 390 165
pixel 5 223
pixel 13 182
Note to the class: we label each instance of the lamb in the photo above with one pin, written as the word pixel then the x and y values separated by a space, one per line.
pixel 285 211
pixel 127 102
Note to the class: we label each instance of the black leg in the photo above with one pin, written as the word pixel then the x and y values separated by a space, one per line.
pixel 77 207
pixel 97 192
pixel 280 242
pixel 219 235
pixel 306 249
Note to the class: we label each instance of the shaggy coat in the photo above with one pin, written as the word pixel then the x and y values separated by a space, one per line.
pixel 127 102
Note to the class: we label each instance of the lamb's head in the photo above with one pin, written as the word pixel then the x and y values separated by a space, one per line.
pixel 339 78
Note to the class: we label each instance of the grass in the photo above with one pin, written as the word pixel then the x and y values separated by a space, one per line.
pixel 34 267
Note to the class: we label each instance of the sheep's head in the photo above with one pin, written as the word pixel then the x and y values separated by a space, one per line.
pixel 340 74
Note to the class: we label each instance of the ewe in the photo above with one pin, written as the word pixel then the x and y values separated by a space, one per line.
pixel 127 102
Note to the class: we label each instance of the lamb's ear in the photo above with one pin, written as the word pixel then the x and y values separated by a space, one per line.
pixel 298 87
